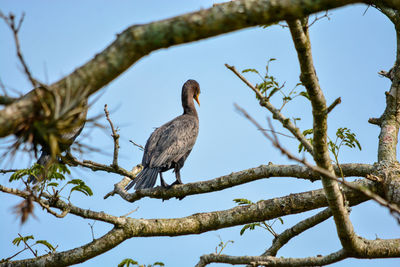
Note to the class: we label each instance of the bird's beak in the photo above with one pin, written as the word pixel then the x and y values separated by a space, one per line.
pixel 197 99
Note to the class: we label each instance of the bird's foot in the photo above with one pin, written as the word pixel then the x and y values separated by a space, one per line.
pixel 165 185
pixel 175 183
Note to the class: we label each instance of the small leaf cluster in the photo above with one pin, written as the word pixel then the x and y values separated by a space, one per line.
pixel 306 133
pixel 130 262
pixel 25 240
pixel 55 171
pixel 222 245
pixel 344 137
pixel 80 186
pixel 251 226
pixel 270 86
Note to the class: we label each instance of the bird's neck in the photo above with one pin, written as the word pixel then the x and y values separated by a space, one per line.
pixel 188 106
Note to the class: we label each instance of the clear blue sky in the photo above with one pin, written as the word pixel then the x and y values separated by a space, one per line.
pixel 59 36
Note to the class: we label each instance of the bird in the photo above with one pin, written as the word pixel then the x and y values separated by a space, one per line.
pixel 170 144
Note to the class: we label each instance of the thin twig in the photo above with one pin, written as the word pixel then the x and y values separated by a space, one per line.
pixel 91 228
pixel 16 254
pixel 15 27
pixel 326 15
pixel 278 133
pixel 26 244
pixel 114 135
pixel 129 213
pixel 135 144
pixel 7 171
pixel 94 166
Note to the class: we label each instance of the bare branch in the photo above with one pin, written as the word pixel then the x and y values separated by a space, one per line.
pixel 97 166
pixel 309 79
pixel 317 18
pixel 57 203
pixel 119 188
pixel 295 230
pixel 135 144
pixel 115 136
pixel 276 113
pixel 334 104
pixel 272 261
pixel 388 74
pixel 235 179
pixel 376 121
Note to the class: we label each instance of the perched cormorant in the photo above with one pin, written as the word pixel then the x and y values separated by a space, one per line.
pixel 169 145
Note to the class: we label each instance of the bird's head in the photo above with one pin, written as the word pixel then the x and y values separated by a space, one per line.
pixel 193 88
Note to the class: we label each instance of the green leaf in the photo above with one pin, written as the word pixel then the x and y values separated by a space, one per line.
pixel 250 70
pixel 305 94
pixel 242 201
pixel 18 175
pixel 47 244
pixel 18 240
pixel 250 226
pixel 280 219
pixel 273 91
pixel 307 132
pixel 127 262
pixel 80 187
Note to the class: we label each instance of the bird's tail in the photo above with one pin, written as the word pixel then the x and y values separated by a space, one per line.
pixel 146 179
pixel 44 160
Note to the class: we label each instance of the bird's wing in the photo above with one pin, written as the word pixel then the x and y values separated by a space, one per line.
pixel 172 141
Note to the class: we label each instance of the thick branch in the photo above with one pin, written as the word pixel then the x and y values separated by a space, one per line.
pixel 297 229
pixel 57 203
pixel 76 255
pixel 272 261
pixel 194 224
pixel 238 178
pixel 139 40
pixel 321 154
pixel 389 121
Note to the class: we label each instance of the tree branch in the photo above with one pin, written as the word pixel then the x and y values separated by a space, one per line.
pixel 309 79
pixel 272 261
pixel 277 115
pixel 76 255
pixel 295 230
pixel 194 224
pixel 115 136
pixel 57 203
pixel 334 104
pixel 139 40
pixel 94 166
pixel 238 178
